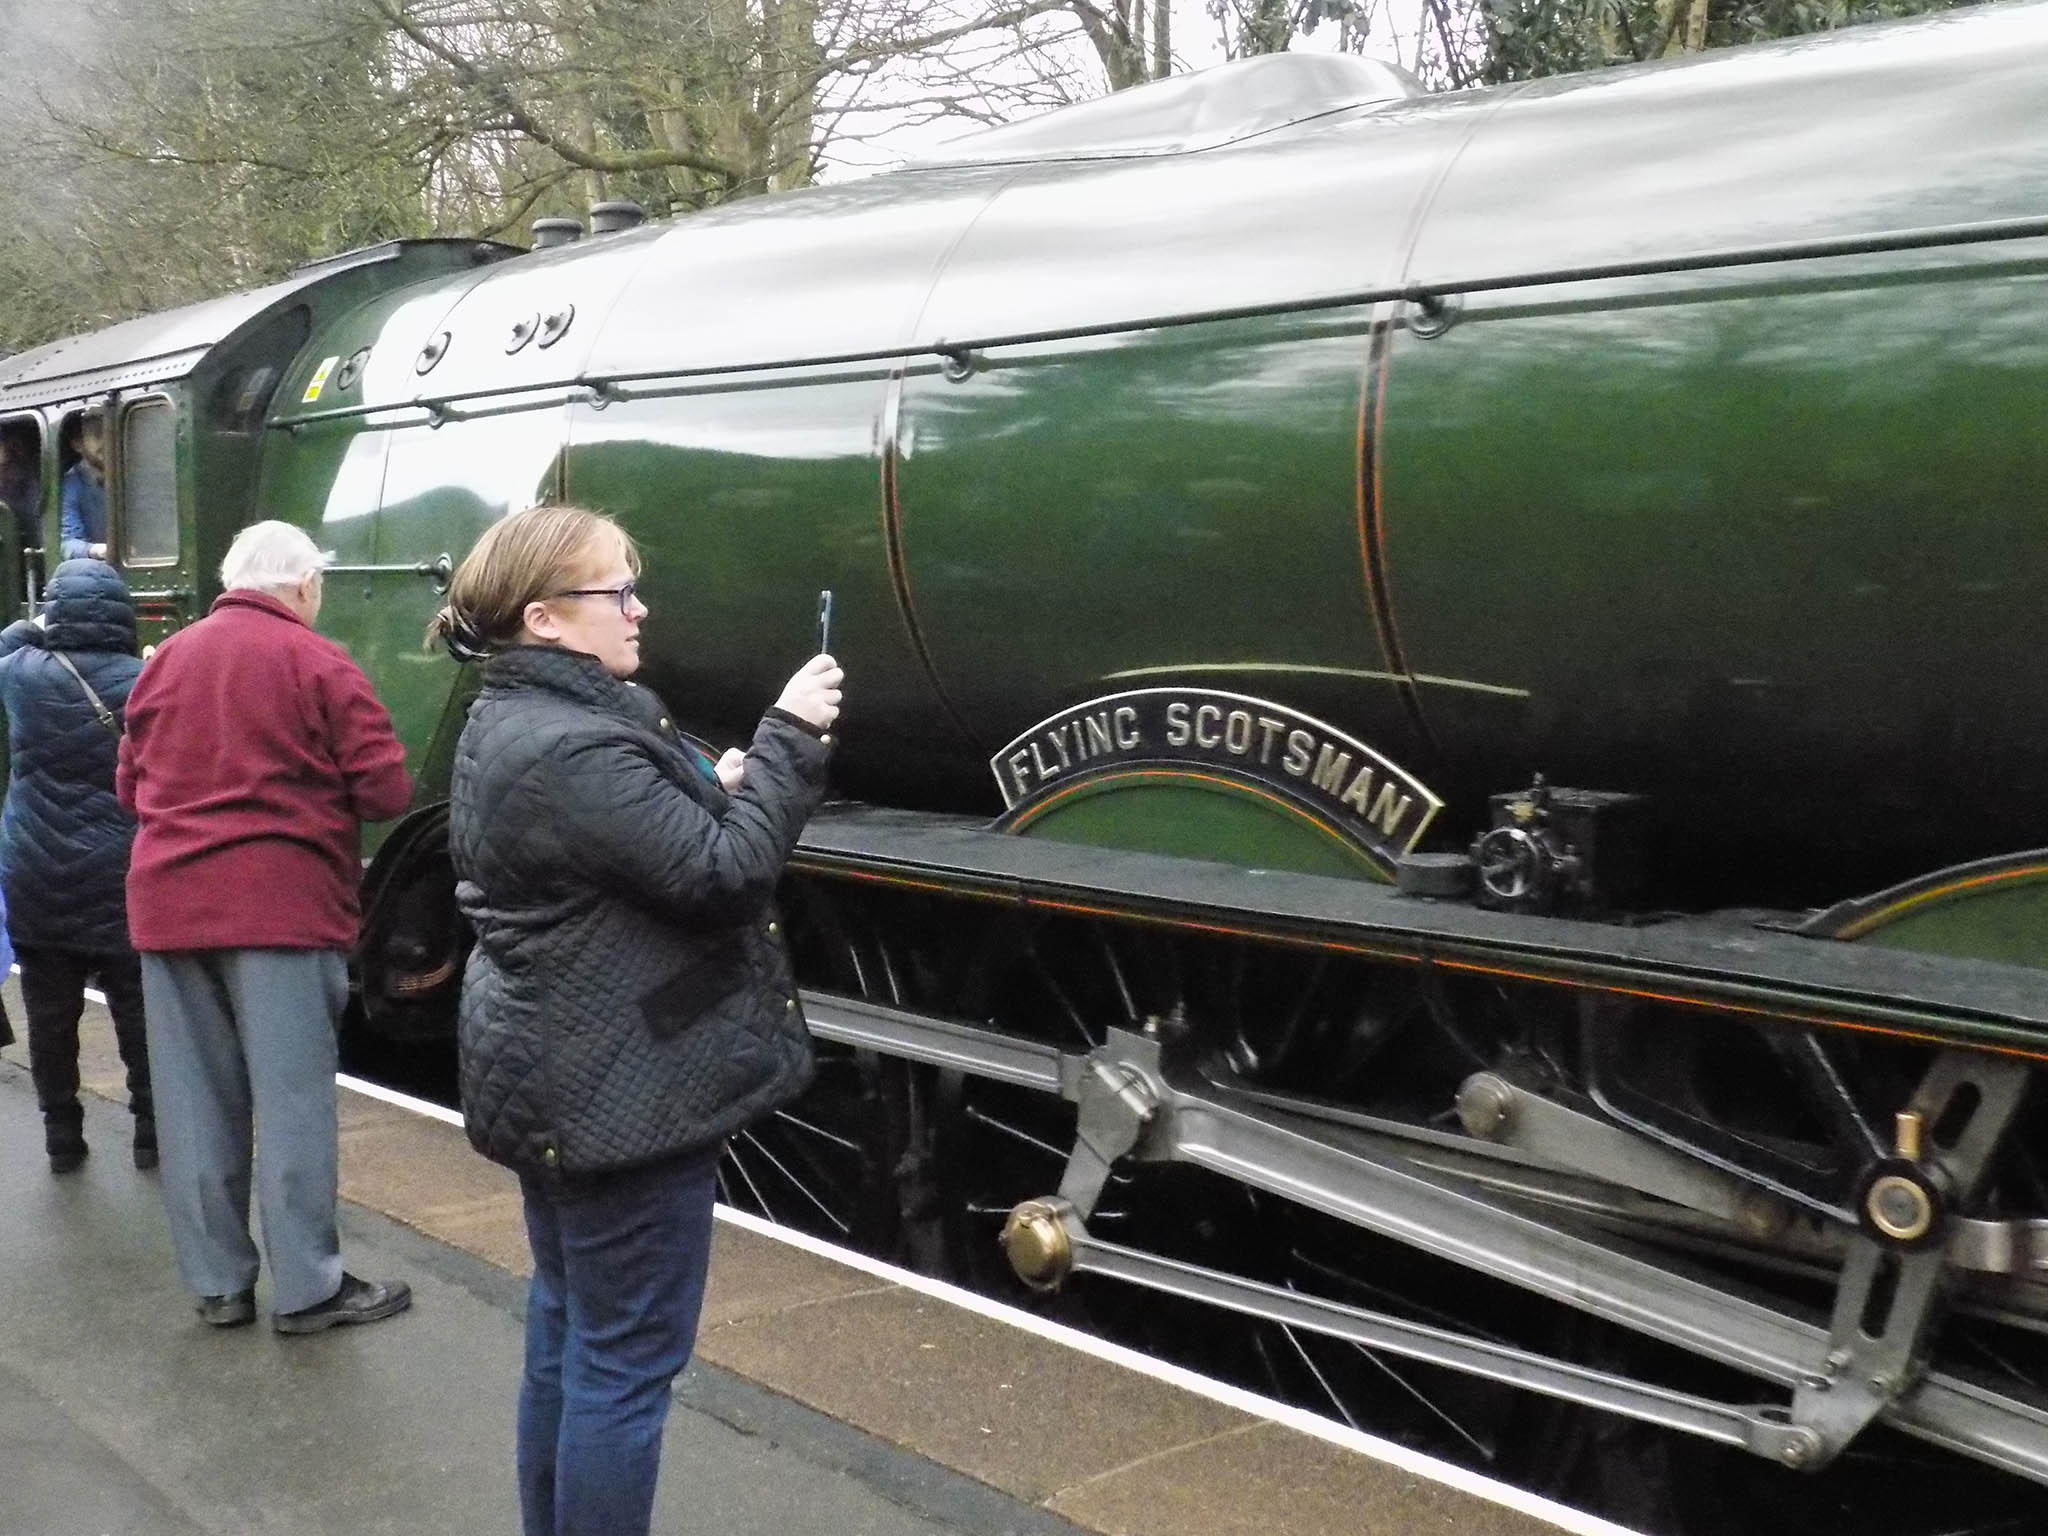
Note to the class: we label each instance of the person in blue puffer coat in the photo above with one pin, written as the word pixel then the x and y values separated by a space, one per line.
pixel 64 842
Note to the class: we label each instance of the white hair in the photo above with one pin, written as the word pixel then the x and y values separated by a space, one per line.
pixel 270 554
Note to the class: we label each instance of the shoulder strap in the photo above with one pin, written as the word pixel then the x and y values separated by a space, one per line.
pixel 108 718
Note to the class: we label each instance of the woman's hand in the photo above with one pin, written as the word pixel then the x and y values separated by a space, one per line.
pixel 731 768
pixel 813 694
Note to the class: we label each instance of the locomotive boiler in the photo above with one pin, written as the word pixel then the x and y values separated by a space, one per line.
pixel 1444 758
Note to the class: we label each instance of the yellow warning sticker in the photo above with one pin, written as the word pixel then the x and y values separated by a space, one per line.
pixel 319 380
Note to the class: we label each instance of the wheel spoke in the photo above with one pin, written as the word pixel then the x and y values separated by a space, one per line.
pixel 1810 1058
pixel 797 1184
pixel 1116 976
pixel 738 1165
pixel 1479 1447
pixel 1059 995
pixel 890 979
pixel 1417 1311
pixel 984 1118
pixel 1343 1408
pixel 843 1143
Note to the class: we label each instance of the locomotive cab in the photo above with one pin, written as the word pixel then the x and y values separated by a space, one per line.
pixel 181 398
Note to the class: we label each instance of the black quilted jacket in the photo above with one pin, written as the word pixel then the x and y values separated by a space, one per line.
pixel 629 998
pixel 64 839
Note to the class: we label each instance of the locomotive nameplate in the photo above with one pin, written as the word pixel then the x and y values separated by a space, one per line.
pixel 1341 783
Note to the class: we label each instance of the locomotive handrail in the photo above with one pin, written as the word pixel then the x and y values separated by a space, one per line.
pixel 440 568
pixel 957 355
pixel 1983 232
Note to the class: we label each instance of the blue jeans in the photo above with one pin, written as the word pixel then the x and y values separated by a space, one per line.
pixel 618 1280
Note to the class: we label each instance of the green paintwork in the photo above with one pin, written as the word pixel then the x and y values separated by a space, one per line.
pixel 2009 924
pixel 1823 596
pixel 1198 819
pixel 1080 519
pixel 1758 541
pixel 1989 909
pixel 398 499
pixel 746 502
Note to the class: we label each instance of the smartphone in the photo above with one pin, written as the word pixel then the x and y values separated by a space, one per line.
pixel 825 621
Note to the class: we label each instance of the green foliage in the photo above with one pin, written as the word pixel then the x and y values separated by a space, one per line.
pixel 1524 39
pixel 1270 26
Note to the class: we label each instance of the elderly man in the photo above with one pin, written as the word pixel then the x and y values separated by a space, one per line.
pixel 254 751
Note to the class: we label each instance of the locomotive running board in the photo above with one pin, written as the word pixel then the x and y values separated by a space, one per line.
pixel 1712 962
pixel 1129 1108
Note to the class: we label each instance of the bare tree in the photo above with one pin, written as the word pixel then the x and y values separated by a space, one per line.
pixel 196 145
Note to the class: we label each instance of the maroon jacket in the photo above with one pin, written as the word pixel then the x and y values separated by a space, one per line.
pixel 254 752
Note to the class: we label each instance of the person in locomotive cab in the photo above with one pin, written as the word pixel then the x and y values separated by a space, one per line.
pixel 629 1003
pixel 64 843
pixel 82 526
pixel 254 752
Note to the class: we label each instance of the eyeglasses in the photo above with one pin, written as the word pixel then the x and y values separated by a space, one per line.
pixel 624 592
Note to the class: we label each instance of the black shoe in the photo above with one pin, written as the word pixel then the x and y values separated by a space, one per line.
pixel 228 1311
pixel 64 1137
pixel 145 1143
pixel 358 1301
pixel 69 1160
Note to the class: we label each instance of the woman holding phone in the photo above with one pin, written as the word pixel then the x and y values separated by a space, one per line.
pixel 629 1003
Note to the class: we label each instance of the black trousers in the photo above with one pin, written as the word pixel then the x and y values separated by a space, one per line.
pixel 53 990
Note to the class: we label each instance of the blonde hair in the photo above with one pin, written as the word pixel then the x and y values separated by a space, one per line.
pixel 524 558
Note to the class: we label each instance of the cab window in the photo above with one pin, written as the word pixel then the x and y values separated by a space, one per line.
pixel 21 493
pixel 149 484
pixel 21 472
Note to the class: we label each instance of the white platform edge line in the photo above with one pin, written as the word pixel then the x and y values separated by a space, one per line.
pixel 1386 1451
pixel 406 1101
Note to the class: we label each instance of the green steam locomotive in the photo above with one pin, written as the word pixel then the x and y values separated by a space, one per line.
pixel 1442 793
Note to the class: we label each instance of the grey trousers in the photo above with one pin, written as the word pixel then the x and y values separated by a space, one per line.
pixel 242 1040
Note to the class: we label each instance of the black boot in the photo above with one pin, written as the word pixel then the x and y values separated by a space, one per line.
pixel 64 1136
pixel 145 1140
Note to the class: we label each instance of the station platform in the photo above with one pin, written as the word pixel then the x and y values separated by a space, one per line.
pixel 825 1396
